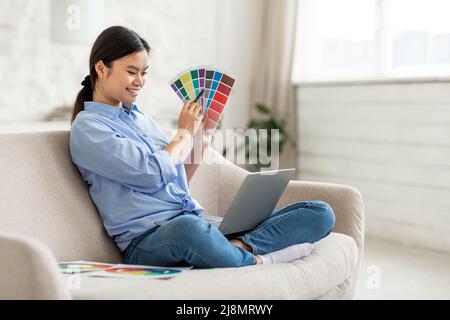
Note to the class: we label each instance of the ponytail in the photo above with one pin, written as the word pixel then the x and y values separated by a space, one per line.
pixel 85 94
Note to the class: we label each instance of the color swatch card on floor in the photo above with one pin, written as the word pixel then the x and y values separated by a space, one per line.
pixel 216 85
pixel 139 272
pixel 82 266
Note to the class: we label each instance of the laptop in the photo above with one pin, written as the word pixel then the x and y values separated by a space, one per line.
pixel 254 202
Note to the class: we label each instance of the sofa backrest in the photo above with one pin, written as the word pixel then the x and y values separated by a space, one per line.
pixel 43 196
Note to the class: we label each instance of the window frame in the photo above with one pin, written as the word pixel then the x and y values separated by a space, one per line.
pixel 384 72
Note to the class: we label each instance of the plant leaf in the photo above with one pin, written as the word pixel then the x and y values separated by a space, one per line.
pixel 262 108
pixel 280 121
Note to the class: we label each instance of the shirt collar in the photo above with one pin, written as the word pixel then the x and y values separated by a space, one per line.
pixel 106 109
pixel 134 108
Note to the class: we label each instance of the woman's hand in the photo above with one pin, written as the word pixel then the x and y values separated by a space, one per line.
pixel 189 121
pixel 190 118
pixel 207 133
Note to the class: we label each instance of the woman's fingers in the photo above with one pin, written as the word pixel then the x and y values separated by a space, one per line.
pixel 204 120
pixel 193 106
pixel 196 109
pixel 187 104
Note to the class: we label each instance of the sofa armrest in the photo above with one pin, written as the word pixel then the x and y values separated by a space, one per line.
pixel 348 207
pixel 28 270
pixel 346 202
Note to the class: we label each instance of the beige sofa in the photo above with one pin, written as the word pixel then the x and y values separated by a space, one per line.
pixel 47 216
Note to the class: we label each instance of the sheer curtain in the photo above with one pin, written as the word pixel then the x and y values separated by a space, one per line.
pixel 272 67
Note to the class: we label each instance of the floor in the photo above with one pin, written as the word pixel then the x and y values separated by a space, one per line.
pixel 393 271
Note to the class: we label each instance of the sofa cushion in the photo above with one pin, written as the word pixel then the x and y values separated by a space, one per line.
pixel 333 260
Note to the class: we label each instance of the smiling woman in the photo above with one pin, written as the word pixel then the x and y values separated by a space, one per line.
pixel 123 79
pixel 137 177
pixel 116 72
pixel 134 72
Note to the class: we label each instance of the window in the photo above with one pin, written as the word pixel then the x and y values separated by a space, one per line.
pixel 371 39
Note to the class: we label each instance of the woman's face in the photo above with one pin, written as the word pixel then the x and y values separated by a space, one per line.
pixel 125 78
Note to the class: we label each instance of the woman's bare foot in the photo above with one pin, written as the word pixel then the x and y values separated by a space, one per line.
pixel 243 245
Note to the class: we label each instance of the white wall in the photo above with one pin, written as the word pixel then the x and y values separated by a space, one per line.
pixel 392 142
pixel 236 31
pixel 37 75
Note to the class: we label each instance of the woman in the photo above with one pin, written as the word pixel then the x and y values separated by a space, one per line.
pixel 136 175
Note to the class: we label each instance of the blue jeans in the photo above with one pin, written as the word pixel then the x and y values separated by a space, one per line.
pixel 188 239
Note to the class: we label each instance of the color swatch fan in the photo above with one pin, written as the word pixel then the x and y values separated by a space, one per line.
pixel 141 272
pixel 214 86
pixel 82 266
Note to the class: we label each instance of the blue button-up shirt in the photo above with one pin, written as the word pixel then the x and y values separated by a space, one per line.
pixel 131 178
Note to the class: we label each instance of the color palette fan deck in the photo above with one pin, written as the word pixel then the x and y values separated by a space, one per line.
pixel 217 86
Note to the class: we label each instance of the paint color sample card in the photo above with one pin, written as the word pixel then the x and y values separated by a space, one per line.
pixel 217 86
pixel 82 266
pixel 141 272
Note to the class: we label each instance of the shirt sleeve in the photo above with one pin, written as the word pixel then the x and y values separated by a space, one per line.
pixel 101 150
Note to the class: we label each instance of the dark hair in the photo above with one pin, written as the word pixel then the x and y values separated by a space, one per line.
pixel 112 44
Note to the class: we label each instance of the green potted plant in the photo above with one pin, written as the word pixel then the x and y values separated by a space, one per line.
pixel 267 121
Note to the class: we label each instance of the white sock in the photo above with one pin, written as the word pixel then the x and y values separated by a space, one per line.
pixel 287 254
